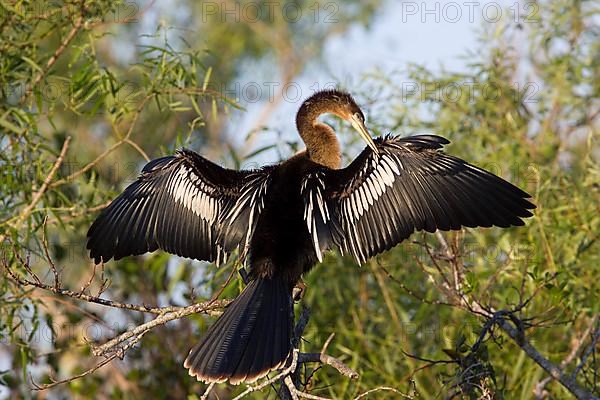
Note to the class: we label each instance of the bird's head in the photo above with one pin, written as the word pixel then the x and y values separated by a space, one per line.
pixel 341 104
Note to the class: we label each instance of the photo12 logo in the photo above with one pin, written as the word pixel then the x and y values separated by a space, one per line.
pixel 469 11
pixel 469 92
pixel 57 12
pixel 268 11
pixel 268 91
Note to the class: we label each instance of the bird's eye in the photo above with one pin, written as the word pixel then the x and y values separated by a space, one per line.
pixel 360 116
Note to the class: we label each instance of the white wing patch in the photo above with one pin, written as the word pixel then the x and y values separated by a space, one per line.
pixel 382 176
pixel 314 200
pixel 189 190
pixel 194 194
pixel 374 183
pixel 376 177
pixel 252 197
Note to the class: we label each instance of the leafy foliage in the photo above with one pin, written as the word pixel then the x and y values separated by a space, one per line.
pixel 79 119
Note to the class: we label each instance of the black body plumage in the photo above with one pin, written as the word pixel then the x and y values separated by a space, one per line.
pixel 282 218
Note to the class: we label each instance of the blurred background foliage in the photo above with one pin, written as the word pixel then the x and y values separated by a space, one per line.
pixel 525 108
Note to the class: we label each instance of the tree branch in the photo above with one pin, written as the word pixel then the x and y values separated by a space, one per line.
pixel 59 51
pixel 118 346
pixel 136 333
pixel 506 320
pixel 37 283
pixel 539 390
pixel 555 372
pixel 516 332
pixel 24 214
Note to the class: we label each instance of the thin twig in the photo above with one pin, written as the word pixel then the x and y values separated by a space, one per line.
pixel 432 362
pixel 109 347
pixel 296 394
pixel 138 148
pixel 72 378
pixel 102 363
pixel 541 385
pixel 24 282
pixel 411 292
pixel 112 148
pixel 329 360
pixel 503 320
pixel 554 371
pixel 47 253
pixel 88 283
pixel 289 384
pixel 383 388
pixel 590 349
pixel 38 195
pixel 59 51
pixel 207 391
pixel 327 342
pixel 288 370
pixel 206 307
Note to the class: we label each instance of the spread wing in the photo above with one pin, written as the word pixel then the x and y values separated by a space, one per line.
pixel 183 204
pixel 381 199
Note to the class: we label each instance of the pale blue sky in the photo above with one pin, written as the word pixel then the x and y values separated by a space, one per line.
pixel 428 33
pixel 431 34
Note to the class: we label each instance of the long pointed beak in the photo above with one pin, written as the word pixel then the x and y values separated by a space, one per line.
pixel 359 125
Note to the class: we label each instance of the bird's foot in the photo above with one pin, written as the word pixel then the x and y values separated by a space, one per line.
pixel 298 291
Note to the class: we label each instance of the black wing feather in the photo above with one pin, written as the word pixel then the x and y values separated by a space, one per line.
pixel 180 204
pixel 381 199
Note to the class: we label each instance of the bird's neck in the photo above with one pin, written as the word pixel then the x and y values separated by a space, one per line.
pixel 321 142
pixel 322 145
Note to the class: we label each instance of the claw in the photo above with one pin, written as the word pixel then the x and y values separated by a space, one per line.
pixel 298 291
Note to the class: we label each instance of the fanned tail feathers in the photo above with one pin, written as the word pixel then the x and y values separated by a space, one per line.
pixel 250 339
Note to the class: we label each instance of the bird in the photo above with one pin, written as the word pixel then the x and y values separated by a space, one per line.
pixel 282 218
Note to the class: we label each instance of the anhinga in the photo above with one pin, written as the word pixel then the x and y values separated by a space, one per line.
pixel 283 217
